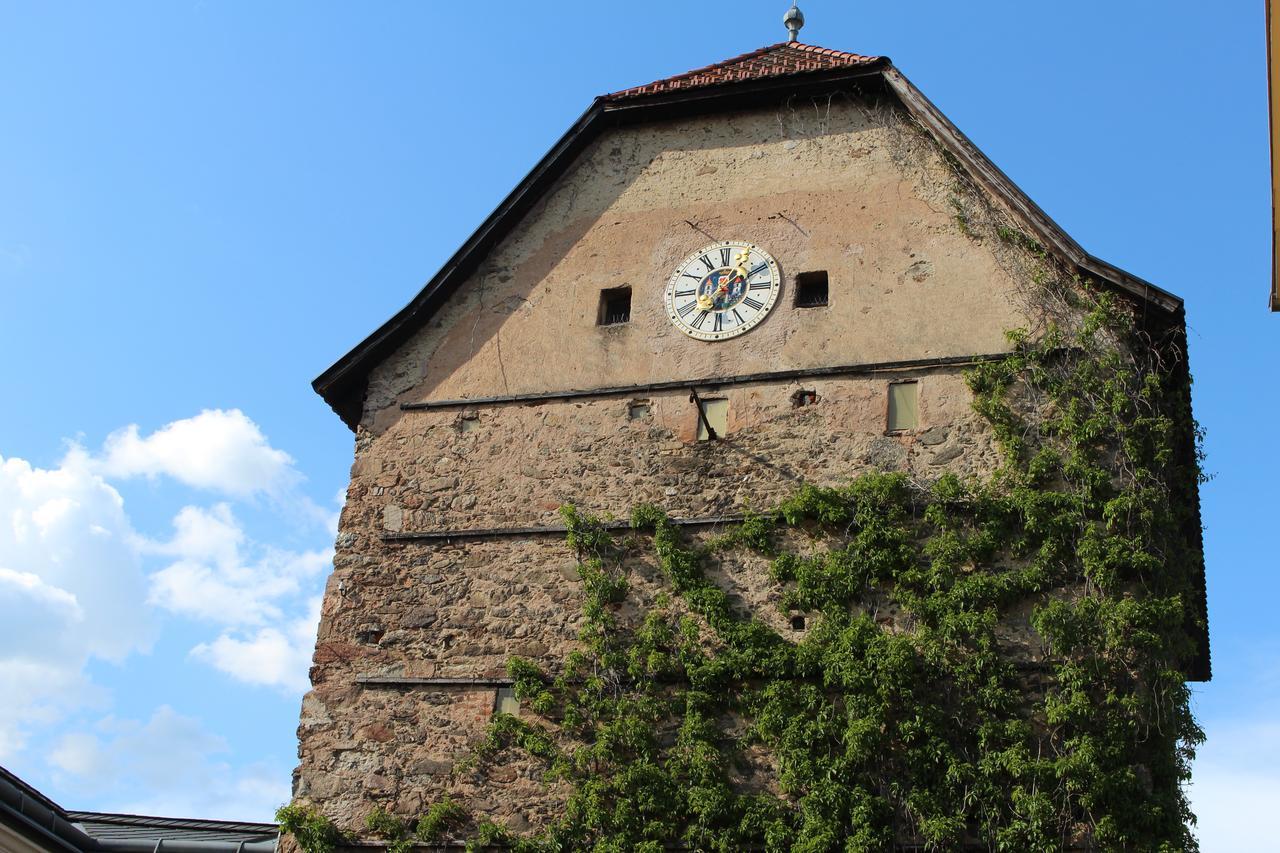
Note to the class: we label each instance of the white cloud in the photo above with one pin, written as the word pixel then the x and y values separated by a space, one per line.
pixel 82 754
pixel 71 589
pixel 78 583
pixel 178 763
pixel 218 449
pixel 269 657
pixel 25 584
pixel 222 578
pixel 39 695
pixel 29 606
pixel 204 534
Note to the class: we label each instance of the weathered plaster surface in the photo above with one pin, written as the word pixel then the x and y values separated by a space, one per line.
pixel 818 188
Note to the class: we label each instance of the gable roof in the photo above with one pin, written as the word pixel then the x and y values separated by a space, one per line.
pixel 776 60
pixel 752 79
pixel 108 827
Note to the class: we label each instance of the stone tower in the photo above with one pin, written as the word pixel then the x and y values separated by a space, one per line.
pixel 592 345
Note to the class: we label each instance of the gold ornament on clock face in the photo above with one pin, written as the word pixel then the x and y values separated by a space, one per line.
pixel 722 290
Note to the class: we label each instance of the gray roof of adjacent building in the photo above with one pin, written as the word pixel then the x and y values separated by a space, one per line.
pixel 127 827
pixel 43 825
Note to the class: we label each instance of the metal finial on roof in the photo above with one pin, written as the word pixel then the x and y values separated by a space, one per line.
pixel 794 20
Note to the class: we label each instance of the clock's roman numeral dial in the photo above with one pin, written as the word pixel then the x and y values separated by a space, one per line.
pixel 722 290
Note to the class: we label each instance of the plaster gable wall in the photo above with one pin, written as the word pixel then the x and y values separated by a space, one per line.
pixel 816 185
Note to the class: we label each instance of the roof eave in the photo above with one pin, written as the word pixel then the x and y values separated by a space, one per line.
pixel 720 90
pixel 982 169
pixel 342 385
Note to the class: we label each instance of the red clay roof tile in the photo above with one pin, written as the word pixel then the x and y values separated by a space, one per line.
pixel 776 60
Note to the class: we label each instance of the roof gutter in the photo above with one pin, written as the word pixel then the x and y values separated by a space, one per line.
pixel 34 817
pixel 164 846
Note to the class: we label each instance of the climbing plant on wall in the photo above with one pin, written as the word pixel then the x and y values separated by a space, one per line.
pixel 699 726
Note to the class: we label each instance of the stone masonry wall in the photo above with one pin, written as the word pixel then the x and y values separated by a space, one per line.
pixel 820 187
pixel 515 465
pixel 459 609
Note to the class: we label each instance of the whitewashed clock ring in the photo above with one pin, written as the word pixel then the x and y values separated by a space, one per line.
pixel 722 290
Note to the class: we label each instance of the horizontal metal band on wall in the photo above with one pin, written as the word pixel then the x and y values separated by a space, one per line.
pixel 428 681
pixel 407 681
pixel 549 530
pixel 711 382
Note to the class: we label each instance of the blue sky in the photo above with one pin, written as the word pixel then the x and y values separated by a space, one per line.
pixel 202 205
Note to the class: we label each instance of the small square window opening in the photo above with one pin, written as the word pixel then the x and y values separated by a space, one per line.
pixel 469 423
pixel 638 410
pixel 716 413
pixel 803 397
pixel 811 289
pixel 904 408
pixel 797 623
pixel 506 701
pixel 615 306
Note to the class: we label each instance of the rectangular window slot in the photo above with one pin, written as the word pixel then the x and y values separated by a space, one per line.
pixel 638 410
pixel 506 701
pixel 615 306
pixel 797 623
pixel 717 414
pixel 811 289
pixel 904 408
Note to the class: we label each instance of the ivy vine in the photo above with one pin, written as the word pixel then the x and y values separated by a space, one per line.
pixel 931 731
pixel 699 726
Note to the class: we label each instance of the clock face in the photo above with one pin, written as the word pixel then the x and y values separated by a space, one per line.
pixel 722 290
